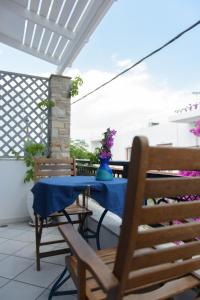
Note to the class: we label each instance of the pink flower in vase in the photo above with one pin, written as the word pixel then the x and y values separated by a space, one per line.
pixel 107 143
pixel 104 172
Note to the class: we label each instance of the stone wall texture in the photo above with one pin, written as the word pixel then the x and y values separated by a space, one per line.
pixel 60 116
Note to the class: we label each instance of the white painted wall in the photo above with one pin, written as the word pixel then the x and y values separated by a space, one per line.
pixel 176 133
pixel 13 191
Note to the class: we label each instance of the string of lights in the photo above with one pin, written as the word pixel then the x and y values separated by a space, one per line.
pixel 139 61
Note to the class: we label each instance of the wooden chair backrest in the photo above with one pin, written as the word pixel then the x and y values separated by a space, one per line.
pixel 47 167
pixel 154 264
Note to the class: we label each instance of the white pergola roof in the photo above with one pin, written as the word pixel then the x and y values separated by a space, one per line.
pixel 52 30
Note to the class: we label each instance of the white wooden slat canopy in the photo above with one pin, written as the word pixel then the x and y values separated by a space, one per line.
pixel 52 30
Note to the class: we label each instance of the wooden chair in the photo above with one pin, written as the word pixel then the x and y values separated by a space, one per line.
pixel 47 167
pixel 140 269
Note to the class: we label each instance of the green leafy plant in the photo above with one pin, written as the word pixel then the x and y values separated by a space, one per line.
pixel 75 84
pixel 78 149
pixel 46 103
pixel 31 150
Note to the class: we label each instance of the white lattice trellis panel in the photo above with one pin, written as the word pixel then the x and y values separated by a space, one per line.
pixel 20 117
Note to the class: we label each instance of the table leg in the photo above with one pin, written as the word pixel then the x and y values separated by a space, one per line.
pixel 67 216
pixel 96 234
pixel 81 229
pixel 59 282
pixel 99 228
pixel 63 277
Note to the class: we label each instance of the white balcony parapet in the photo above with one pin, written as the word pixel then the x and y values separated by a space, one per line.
pixel 13 191
pixel 186 117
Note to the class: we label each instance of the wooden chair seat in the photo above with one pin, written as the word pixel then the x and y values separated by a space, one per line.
pixel 73 210
pixel 78 209
pixel 156 291
pixel 147 264
pixel 93 288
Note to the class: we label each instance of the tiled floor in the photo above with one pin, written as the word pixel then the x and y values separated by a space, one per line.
pixel 18 276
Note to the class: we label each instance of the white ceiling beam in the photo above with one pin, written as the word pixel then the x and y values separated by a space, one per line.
pixel 37 19
pixel 82 35
pixel 14 43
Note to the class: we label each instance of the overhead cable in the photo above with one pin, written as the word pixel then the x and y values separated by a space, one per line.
pixel 139 61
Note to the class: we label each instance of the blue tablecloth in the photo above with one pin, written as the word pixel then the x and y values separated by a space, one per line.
pixel 56 193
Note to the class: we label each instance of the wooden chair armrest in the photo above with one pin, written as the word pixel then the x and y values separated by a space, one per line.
pixel 89 258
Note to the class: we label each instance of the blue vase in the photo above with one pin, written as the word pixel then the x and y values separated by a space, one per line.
pixel 104 172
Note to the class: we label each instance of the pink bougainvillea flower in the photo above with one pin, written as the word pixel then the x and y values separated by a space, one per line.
pixel 196 129
pixel 105 154
pixel 107 143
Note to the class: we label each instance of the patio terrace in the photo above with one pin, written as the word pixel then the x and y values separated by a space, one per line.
pixel 61 31
pixel 18 276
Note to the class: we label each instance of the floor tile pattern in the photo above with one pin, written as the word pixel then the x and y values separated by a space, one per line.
pixel 18 276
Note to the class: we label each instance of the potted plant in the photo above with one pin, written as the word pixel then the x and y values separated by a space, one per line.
pixel 31 150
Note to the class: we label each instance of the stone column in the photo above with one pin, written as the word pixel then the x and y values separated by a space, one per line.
pixel 60 116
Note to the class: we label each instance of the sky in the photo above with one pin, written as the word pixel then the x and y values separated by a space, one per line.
pixel 150 92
